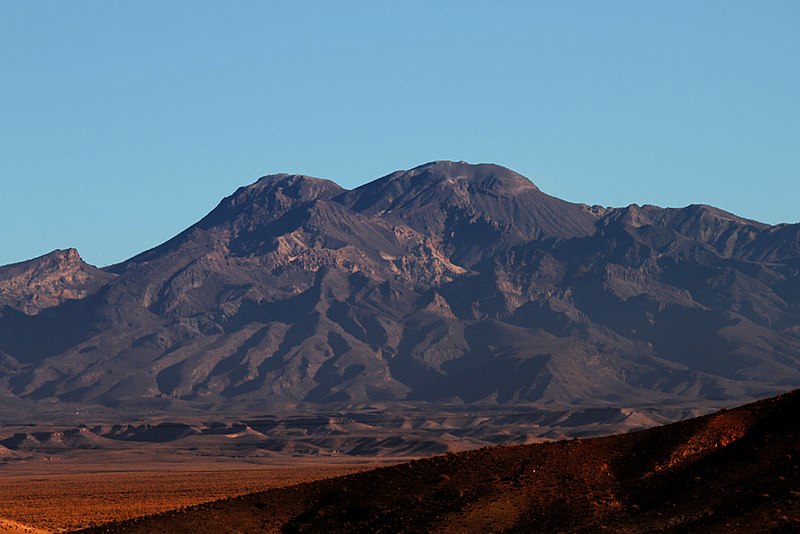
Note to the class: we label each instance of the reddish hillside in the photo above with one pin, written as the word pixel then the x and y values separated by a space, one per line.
pixel 736 470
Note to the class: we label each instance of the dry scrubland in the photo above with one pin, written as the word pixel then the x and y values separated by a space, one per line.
pixel 38 496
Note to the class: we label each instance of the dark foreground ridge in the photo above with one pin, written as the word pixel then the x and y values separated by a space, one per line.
pixel 733 471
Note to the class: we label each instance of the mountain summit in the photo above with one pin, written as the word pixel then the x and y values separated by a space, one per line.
pixel 449 283
pixel 477 209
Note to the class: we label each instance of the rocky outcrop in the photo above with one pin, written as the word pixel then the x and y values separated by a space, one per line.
pixel 48 281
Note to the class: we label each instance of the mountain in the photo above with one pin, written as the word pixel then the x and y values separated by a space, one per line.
pixel 474 210
pixel 49 280
pixel 733 471
pixel 448 284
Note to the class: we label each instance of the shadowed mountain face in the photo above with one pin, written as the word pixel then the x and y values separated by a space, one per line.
pixel 449 283
pixel 733 471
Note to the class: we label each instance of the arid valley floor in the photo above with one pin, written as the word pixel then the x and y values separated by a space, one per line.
pixel 42 497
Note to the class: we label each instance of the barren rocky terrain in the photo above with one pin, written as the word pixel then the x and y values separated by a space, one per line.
pixel 733 471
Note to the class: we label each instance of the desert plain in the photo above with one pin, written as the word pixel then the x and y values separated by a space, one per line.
pixel 85 489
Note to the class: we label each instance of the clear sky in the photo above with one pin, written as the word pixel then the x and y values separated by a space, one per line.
pixel 122 123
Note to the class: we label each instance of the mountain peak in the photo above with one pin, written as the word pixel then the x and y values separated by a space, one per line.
pixel 438 183
pixel 476 209
pixel 295 186
pixel 270 197
pixel 54 260
pixel 48 280
pixel 68 256
pixel 484 177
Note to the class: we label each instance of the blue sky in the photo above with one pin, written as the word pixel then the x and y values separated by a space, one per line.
pixel 123 123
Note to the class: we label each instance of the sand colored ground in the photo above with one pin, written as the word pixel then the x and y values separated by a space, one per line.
pixel 37 497
pixel 8 526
